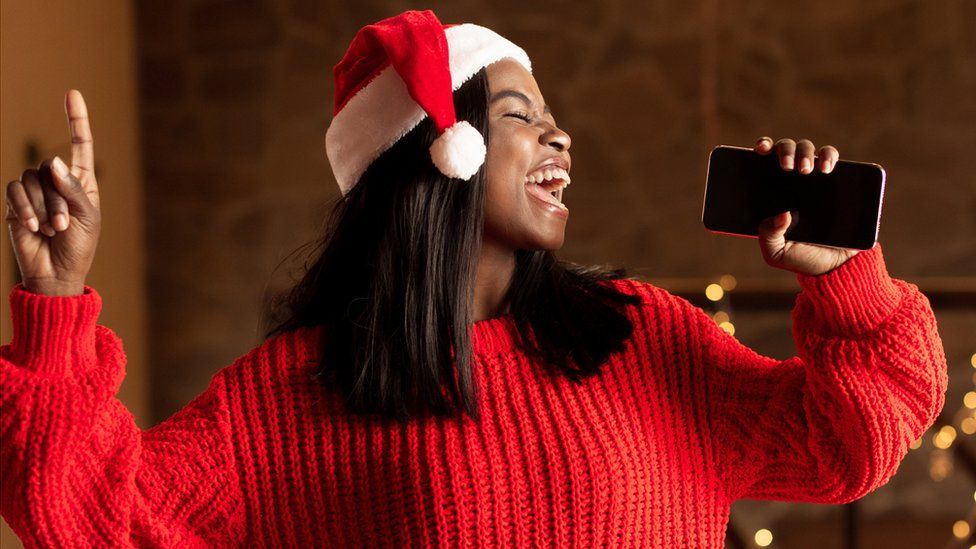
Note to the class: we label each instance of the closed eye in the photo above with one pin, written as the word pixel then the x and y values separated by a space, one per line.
pixel 521 115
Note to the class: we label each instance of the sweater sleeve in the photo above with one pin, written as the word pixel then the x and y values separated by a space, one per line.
pixel 833 423
pixel 76 469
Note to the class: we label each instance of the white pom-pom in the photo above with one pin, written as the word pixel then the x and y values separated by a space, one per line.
pixel 459 151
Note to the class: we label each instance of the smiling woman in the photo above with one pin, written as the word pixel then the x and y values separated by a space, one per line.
pixel 438 377
pixel 413 257
pixel 529 164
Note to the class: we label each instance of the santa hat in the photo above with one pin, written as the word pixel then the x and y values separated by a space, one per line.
pixel 395 73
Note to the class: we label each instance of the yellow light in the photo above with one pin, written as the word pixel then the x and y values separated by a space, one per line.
pixel 944 437
pixel 974 496
pixel 970 400
pixel 916 445
pixel 714 292
pixel 727 282
pixel 728 327
pixel 940 465
pixel 721 317
pixel 968 425
pixel 941 441
pixel 763 537
pixel 960 529
pixel 972 360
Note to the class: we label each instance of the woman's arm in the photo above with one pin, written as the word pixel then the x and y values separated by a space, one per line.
pixel 76 469
pixel 832 424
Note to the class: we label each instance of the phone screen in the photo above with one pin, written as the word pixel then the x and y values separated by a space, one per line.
pixel 841 208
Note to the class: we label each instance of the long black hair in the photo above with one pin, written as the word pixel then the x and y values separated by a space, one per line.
pixel 393 287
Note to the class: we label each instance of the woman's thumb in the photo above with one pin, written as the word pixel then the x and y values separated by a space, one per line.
pixel 773 229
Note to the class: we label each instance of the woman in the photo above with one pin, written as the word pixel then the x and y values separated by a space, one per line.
pixel 438 378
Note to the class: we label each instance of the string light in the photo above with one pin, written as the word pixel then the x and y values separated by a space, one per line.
pixel 944 437
pixel 727 282
pixel 714 292
pixel 940 465
pixel 728 327
pixel 763 537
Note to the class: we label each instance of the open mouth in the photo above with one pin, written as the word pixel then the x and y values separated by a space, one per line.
pixel 547 184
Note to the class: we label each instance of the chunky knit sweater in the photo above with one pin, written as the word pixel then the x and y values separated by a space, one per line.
pixel 650 453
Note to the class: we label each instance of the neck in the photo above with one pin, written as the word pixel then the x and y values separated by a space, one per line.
pixel 496 267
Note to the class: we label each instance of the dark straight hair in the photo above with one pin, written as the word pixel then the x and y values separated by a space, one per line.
pixel 393 287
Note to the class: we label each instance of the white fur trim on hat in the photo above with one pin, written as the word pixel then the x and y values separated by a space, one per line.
pixel 459 151
pixel 382 112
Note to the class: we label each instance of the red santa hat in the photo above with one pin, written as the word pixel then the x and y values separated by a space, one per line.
pixel 395 73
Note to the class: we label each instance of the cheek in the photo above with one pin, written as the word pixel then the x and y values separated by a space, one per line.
pixel 509 155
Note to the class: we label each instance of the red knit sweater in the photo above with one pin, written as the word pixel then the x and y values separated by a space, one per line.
pixel 651 453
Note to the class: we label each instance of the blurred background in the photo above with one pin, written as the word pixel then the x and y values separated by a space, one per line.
pixel 209 120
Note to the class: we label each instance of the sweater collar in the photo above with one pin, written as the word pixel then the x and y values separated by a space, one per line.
pixel 496 334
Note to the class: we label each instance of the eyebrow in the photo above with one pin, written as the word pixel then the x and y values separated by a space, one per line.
pixel 518 95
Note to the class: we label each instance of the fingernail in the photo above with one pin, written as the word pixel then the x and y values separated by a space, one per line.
pixel 60 167
pixel 32 224
pixel 60 221
pixel 787 162
pixel 49 230
pixel 805 165
pixel 830 167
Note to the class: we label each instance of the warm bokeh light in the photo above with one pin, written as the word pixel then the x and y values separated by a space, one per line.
pixel 728 327
pixel 972 360
pixel 944 437
pixel 960 529
pixel 970 400
pixel 721 317
pixel 763 537
pixel 728 283
pixel 714 292
pixel 940 465
pixel 916 445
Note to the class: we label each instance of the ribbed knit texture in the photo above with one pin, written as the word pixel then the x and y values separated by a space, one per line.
pixel 651 453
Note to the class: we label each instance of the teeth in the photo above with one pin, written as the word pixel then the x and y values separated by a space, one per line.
pixel 547 174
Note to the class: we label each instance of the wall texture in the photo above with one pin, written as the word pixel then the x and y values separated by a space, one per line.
pixel 237 97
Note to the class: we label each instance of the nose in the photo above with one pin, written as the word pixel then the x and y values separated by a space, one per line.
pixel 556 138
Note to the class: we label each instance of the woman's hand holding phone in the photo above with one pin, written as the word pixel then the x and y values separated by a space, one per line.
pixel 798 257
pixel 54 215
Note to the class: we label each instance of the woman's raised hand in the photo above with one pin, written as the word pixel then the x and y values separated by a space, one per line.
pixel 799 257
pixel 53 213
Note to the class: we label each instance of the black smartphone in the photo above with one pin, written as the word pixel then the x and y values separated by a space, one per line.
pixel 841 208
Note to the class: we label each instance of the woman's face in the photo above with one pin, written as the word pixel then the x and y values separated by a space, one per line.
pixel 523 137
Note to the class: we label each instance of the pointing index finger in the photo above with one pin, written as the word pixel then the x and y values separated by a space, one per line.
pixel 82 150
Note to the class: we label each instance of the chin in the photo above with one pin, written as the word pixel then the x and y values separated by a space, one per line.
pixel 548 243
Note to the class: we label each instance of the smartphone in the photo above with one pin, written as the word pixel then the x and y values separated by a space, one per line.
pixel 840 209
